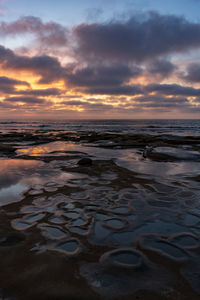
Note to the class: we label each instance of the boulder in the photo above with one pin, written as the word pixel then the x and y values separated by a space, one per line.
pixel 85 162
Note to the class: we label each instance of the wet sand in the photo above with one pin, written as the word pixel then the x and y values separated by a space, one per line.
pixel 87 215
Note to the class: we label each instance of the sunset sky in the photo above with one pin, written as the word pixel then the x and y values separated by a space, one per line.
pixel 85 59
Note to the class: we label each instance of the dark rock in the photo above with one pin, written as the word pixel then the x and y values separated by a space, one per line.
pixel 85 161
pixel 147 151
pixel 11 240
pixel 6 148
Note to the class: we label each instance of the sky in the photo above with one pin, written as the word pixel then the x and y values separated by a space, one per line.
pixel 103 59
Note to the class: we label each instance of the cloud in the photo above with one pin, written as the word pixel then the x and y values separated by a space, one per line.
pixel 96 107
pixel 7 105
pixel 102 76
pixel 161 101
pixel 161 67
pixel 159 89
pixel 140 38
pixel 5 54
pixel 110 80
pixel 73 102
pixel 193 73
pixel 121 90
pixel 113 62
pixel 46 66
pixel 136 39
pixel 49 33
pixel 92 14
pixel 87 105
pixel 172 89
pixel 43 92
pixel 26 100
pixel 7 85
pixel 50 70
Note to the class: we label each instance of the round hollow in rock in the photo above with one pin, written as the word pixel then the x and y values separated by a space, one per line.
pixel 123 257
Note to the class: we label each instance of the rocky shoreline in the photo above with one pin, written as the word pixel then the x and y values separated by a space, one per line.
pixel 87 215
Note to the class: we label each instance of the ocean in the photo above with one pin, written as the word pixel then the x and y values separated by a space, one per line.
pixel 174 127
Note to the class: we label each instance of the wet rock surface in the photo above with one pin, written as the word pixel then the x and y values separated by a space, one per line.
pixel 117 225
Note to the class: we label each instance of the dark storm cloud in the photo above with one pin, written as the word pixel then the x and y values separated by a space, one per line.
pixel 5 54
pixel 44 92
pixel 26 100
pixel 193 73
pixel 97 106
pixel 172 89
pixel 180 104
pixel 155 103
pixel 121 90
pixel 130 90
pixel 73 102
pixel 46 66
pixel 7 85
pixel 162 67
pixel 137 39
pixel 49 33
pixel 50 69
pixel 101 76
pixel 161 101
pixel 140 38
